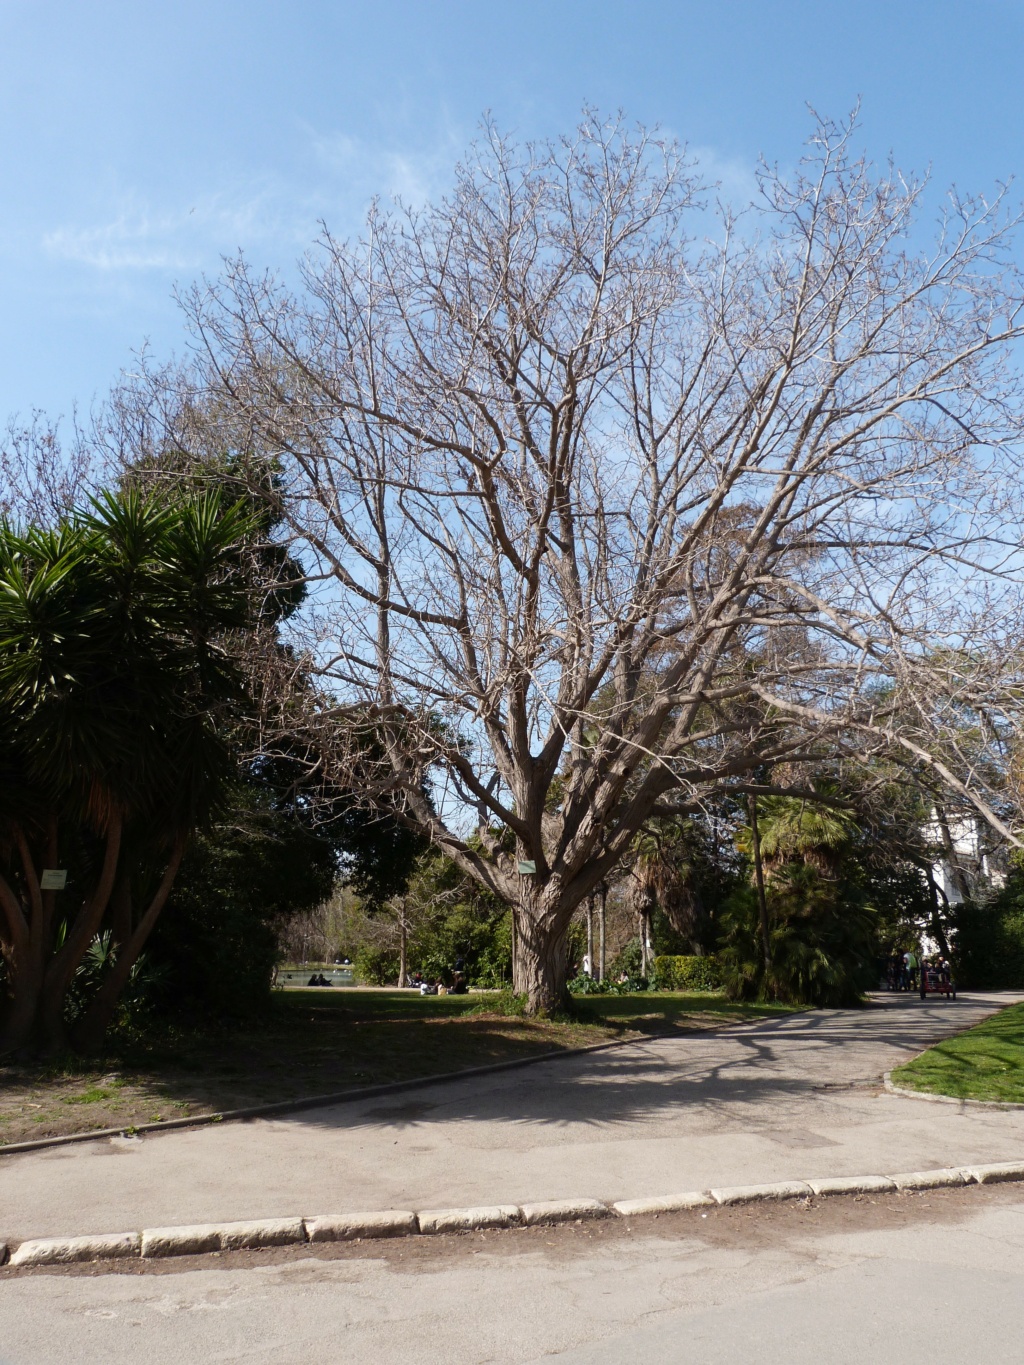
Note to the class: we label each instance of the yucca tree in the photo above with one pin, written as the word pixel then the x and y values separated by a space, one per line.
pixel 116 689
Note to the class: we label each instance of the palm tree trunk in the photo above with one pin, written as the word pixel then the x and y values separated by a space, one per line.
pixel 26 942
pixel 121 909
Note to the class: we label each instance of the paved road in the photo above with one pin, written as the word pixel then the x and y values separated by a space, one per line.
pixel 784 1098
pixel 901 1278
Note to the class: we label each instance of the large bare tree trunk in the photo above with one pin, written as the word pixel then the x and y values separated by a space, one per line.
pixel 539 962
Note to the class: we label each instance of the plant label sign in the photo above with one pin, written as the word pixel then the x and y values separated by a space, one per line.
pixel 53 878
pixel 527 867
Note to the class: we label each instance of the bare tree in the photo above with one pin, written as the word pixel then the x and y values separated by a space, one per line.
pixel 41 478
pixel 603 518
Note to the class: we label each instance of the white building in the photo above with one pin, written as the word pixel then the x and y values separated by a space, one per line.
pixel 968 857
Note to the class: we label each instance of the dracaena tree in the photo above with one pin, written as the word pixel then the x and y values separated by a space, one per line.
pixel 614 504
pixel 116 689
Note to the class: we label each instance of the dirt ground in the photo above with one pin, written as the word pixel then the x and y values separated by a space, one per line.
pixel 76 1097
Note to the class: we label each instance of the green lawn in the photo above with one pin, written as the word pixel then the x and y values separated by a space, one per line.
pixel 985 1063
pixel 318 1041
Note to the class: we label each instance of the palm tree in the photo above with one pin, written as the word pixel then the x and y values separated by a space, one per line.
pixel 816 927
pixel 115 687
pixel 793 829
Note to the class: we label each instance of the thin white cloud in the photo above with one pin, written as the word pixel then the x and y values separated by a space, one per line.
pixel 369 169
pixel 334 178
pixel 141 237
pixel 119 245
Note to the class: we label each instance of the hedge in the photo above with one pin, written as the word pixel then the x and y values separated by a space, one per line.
pixel 686 974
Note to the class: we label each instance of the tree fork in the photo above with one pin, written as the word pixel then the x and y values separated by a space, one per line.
pixel 90 1031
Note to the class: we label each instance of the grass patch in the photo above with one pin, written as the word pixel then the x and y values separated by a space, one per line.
pixel 316 1041
pixel 985 1063
pixel 92 1096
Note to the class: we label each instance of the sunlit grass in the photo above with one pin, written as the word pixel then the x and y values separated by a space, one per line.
pixel 985 1063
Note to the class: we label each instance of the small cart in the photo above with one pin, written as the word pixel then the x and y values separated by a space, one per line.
pixel 934 981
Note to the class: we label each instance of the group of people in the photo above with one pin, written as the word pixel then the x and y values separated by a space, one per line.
pixel 903 971
pixel 436 986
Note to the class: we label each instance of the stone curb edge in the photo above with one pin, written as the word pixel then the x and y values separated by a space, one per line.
pixel 909 1094
pixel 203 1238
pixel 367 1092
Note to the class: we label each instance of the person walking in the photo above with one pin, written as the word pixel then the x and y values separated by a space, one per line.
pixel 912 965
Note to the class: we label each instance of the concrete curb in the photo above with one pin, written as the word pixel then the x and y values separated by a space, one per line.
pixel 366 1092
pixel 203 1238
pixel 750 1194
pixel 853 1184
pixel 902 1090
pixel 563 1211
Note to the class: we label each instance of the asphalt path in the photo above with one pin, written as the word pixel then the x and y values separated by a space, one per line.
pixel 907 1278
pixel 785 1098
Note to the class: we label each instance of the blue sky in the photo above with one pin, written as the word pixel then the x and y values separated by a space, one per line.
pixel 141 142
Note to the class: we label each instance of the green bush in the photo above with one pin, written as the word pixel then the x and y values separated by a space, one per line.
pixel 988 940
pixel 687 973
pixel 376 966
pixel 629 962
pixel 215 945
pixel 587 985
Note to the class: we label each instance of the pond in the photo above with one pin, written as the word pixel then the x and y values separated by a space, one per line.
pixel 299 976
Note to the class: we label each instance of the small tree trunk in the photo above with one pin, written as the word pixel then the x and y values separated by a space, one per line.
pixel 938 929
pixel 590 935
pixel 956 870
pixel 403 949
pixel 762 904
pixel 601 924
